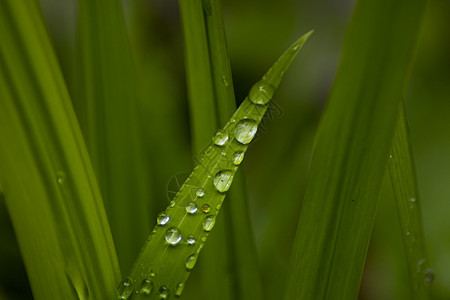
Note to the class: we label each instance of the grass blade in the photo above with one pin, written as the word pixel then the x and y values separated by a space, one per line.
pixel 351 151
pixel 181 231
pixel 45 173
pixel 105 103
pixel 403 178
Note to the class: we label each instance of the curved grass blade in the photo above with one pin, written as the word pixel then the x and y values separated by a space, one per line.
pixel 403 178
pixel 46 177
pixel 172 249
pixel 351 151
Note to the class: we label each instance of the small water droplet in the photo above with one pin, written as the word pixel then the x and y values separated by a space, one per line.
pixel 60 179
pixel 172 203
pixel 204 238
pixel 420 265
pixel 232 120
pixel 205 208
pixel 190 261
pixel 173 236
pixel 191 208
pixel 261 92
pixel 152 273
pixel 238 156
pixel 224 80
pixel 408 233
pixel 223 179
pixel 429 276
pixel 125 289
pixel 179 289
pixel 390 156
pixel 220 138
pixel 191 240
pixel 200 192
pixel 209 222
pixel 146 286
pixel 412 202
pixel 218 206
pixel 163 292
pixel 296 47
pixel 245 131
pixel 163 219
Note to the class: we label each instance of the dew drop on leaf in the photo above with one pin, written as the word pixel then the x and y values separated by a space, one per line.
pixel 191 208
pixel 163 219
pixel 238 156
pixel 190 261
pixel 209 222
pixel 223 179
pixel 200 192
pixel 163 292
pixel 146 287
pixel 220 138
pixel 179 290
pixel 245 131
pixel 261 92
pixel 191 240
pixel 125 289
pixel 173 236
pixel 205 208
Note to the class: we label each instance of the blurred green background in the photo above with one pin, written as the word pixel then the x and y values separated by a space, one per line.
pixel 257 33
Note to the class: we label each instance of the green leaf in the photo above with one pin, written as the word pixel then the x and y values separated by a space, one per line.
pixel 105 103
pixel 173 247
pixel 45 174
pixel 351 151
pixel 403 178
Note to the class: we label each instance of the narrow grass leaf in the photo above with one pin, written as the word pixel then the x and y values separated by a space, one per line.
pixel 105 102
pixel 183 228
pixel 46 177
pixel 351 151
pixel 404 183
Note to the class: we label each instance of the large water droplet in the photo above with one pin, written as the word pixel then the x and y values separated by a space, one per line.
pixel 190 261
pixel 191 208
pixel 163 219
pixel 245 131
pixel 261 92
pixel 223 179
pixel 220 138
pixel 163 292
pixel 205 208
pixel 238 156
pixel 173 235
pixel 191 240
pixel 125 289
pixel 209 222
pixel 179 290
pixel 146 287
pixel 200 192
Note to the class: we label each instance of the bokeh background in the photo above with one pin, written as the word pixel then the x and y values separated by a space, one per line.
pixel 276 167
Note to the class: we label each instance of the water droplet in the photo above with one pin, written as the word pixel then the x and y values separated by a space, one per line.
pixel 224 80
pixel 173 235
pixel 172 203
pixel 152 273
pixel 220 138
pixel 204 238
pixel 420 265
pixel 412 202
pixel 408 233
pixel 125 289
pixel 179 290
pixel 200 192
pixel 190 262
pixel 223 179
pixel 261 92
pixel 245 131
pixel 218 206
pixel 295 48
pixel 238 156
pixel 191 208
pixel 163 219
pixel 146 286
pixel 60 179
pixel 205 208
pixel 232 120
pixel 191 239
pixel 163 292
pixel 390 156
pixel 429 276
pixel 209 222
